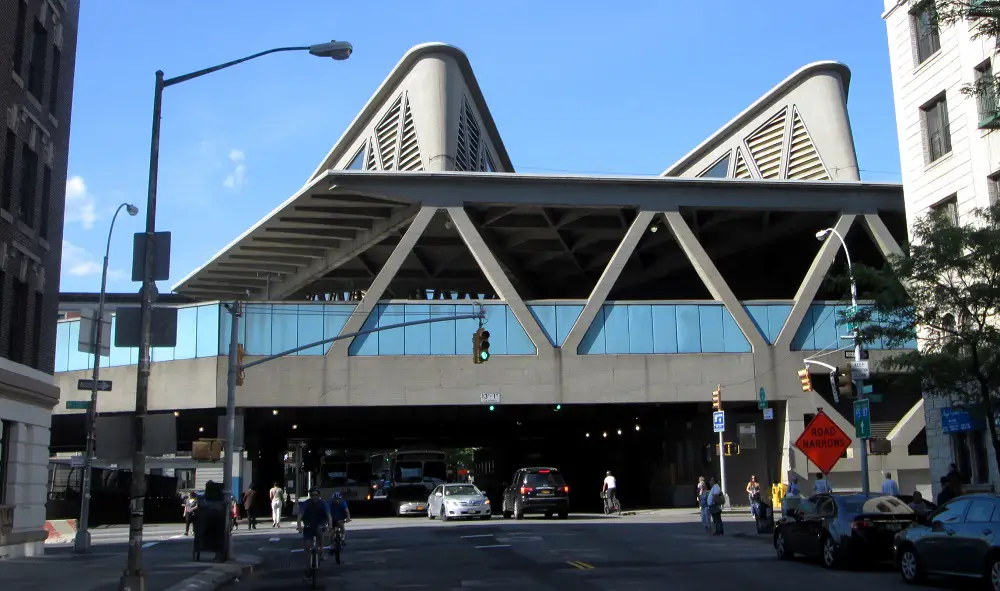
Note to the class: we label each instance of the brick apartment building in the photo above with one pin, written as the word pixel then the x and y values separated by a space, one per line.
pixel 37 59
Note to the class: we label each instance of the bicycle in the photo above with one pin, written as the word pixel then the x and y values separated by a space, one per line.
pixel 338 540
pixel 614 507
pixel 315 558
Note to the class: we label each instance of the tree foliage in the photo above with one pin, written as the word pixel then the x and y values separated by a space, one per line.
pixel 945 289
pixel 983 18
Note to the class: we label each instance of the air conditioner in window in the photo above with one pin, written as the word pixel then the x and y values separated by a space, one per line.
pixel 22 271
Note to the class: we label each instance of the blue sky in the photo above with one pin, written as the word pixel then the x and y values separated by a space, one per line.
pixel 596 89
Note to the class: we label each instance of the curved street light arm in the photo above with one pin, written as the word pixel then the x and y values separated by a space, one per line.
pixel 200 73
pixel 850 268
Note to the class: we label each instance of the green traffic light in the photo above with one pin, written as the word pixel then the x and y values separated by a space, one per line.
pixel 484 355
pixel 491 408
pixel 558 407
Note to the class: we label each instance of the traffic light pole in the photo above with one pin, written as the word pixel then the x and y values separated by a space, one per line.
pixel 722 468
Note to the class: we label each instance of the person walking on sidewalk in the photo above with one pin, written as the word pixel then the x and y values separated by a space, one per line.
pixel 753 494
pixel 889 486
pixel 277 496
pixel 190 506
pixel 822 485
pixel 248 507
pixel 703 504
pixel 716 500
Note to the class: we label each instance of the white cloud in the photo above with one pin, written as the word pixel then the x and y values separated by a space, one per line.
pixel 237 178
pixel 80 205
pixel 77 261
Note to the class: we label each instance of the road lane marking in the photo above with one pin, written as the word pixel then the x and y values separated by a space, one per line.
pixel 477 536
pixel 494 546
pixel 580 565
pixel 149 544
pixel 274 539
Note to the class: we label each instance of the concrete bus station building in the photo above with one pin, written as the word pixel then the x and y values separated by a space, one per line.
pixel 623 300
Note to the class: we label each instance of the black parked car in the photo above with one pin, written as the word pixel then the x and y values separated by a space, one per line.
pixel 961 538
pixel 843 528
pixel 536 490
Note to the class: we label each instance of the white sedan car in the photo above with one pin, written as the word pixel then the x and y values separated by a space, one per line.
pixel 453 501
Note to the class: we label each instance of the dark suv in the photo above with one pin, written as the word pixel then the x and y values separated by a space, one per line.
pixel 536 490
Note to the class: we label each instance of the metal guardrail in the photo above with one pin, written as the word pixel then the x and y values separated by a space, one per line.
pixel 6 519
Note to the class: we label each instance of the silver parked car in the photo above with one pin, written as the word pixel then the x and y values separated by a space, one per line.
pixel 452 501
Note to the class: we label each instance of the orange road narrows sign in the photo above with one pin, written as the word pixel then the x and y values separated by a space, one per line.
pixel 823 442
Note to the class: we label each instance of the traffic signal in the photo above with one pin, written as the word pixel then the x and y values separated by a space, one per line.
pixel 806 380
pixel 717 399
pixel 845 384
pixel 484 345
pixel 240 354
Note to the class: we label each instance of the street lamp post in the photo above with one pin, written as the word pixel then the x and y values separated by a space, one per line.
pixel 858 348
pixel 81 543
pixel 133 578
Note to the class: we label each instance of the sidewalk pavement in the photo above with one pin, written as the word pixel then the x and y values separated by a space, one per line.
pixel 167 566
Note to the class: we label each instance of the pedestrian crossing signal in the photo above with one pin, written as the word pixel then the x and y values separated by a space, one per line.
pixel 805 380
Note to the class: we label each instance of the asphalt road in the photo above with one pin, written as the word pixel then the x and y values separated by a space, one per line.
pixel 583 553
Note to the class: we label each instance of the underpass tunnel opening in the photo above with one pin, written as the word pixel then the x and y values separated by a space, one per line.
pixel 655 451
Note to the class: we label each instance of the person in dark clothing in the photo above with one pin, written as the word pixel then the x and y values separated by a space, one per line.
pixel 951 487
pixel 248 507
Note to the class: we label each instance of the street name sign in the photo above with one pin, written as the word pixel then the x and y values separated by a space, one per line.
pixel 88 385
pixel 768 414
pixel 77 404
pixel 823 442
pixel 719 421
pixel 862 419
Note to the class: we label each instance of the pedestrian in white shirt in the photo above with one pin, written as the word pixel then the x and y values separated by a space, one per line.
pixel 716 500
pixel 821 486
pixel 277 495
pixel 609 489
pixel 889 486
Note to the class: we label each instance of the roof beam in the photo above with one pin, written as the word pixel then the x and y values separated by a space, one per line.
pixel 259 267
pixel 318 232
pixel 303 253
pixel 329 222
pixel 350 212
pixel 334 258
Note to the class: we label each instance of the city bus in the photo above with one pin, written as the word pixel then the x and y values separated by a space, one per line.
pixel 350 474
pixel 426 466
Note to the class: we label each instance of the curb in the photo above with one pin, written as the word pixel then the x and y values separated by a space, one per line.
pixel 220 575
pixel 760 537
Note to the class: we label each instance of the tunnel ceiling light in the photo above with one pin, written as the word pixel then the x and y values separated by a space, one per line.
pixel 605 434
pixel 558 407
pixel 177 413
pixel 201 429
pixel 619 431
pixel 296 427
pixel 637 427
pixel 274 412
pixel 654 228
pixel 586 434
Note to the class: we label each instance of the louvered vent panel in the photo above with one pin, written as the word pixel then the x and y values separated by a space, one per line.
pixel 372 163
pixel 461 150
pixel 803 159
pixel 742 171
pixel 409 149
pixel 765 146
pixel 474 138
pixel 386 134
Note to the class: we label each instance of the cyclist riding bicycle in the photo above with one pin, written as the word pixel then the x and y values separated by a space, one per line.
pixel 609 489
pixel 314 515
pixel 339 514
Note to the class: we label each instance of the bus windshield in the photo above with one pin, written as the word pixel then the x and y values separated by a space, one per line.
pixel 345 474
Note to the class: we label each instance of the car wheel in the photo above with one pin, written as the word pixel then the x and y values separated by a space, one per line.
pixel 830 558
pixel 781 546
pixel 444 516
pixel 909 566
pixel 993 573
pixel 518 510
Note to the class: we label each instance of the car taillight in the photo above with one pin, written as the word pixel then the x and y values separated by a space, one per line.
pixel 544 471
pixel 526 489
pixel 862 524
pixel 565 489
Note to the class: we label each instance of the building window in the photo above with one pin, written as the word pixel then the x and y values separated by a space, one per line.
pixel 5 431
pixel 185 478
pixel 947 208
pixel 39 53
pixel 937 128
pixel 985 88
pixel 29 185
pixel 36 332
pixel 54 84
pixel 969 450
pixel 43 221
pixel 18 323
pixel 925 29
pixel 22 19
pixel 7 188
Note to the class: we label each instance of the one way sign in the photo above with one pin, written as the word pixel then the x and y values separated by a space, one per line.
pixel 719 421
pixel 88 385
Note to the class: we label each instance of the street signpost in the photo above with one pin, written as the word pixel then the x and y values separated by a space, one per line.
pixel 77 404
pixel 860 370
pixel 862 419
pixel 719 421
pixel 768 414
pixel 823 442
pixel 762 399
pixel 88 385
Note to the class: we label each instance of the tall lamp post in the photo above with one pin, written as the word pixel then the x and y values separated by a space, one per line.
pixel 82 541
pixel 822 235
pixel 133 578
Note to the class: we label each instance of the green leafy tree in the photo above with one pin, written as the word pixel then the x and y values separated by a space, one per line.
pixel 945 289
pixel 983 18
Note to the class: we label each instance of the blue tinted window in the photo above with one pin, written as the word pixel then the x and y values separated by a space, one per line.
pixel 358 163
pixel 718 170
